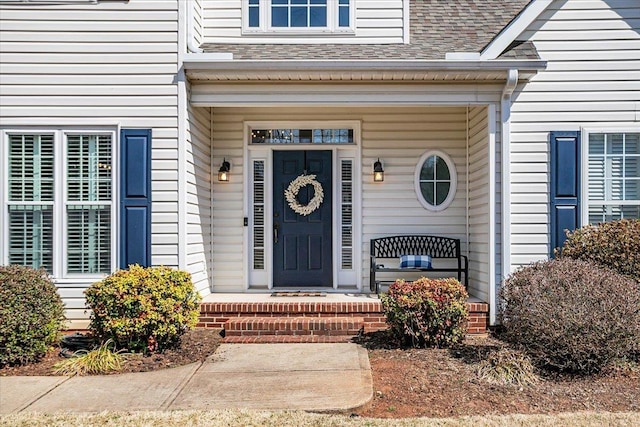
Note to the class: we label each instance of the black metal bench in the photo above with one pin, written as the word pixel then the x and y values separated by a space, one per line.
pixel 435 246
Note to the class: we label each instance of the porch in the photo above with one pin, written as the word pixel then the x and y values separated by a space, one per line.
pixel 234 226
pixel 397 114
pixel 328 317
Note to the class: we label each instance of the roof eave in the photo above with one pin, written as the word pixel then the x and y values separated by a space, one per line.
pixel 199 67
pixel 201 62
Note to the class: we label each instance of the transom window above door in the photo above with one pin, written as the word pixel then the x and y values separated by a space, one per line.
pixel 302 136
pixel 298 16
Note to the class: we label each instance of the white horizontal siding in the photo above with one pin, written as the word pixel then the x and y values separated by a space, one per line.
pixel 111 64
pixel 479 208
pixel 227 230
pixel 375 22
pixel 198 19
pixel 592 80
pixel 199 223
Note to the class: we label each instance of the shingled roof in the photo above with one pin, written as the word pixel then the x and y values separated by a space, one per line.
pixel 436 27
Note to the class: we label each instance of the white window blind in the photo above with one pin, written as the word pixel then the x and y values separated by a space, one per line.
pixel 613 176
pixel 88 204
pixel 31 195
pixel 31 168
pixel 258 215
pixel 346 214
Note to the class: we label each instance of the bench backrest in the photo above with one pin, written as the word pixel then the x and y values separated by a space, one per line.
pixel 396 246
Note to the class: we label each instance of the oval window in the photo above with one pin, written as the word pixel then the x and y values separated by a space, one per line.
pixel 435 180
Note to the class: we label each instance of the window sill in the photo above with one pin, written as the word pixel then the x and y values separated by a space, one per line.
pixel 294 32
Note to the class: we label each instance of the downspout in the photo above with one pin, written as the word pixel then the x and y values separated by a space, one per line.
pixel 505 115
pixel 191 46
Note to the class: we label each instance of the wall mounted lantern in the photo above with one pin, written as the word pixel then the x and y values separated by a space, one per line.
pixel 224 171
pixel 378 171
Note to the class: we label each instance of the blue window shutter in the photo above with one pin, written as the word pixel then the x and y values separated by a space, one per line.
pixel 135 197
pixel 565 185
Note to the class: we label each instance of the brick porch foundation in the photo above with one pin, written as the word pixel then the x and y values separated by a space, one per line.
pixel 291 321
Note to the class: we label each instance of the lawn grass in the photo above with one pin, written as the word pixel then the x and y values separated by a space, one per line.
pixel 304 419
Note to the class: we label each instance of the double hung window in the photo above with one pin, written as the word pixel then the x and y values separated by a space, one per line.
pixel 298 16
pixel 59 206
pixel 613 176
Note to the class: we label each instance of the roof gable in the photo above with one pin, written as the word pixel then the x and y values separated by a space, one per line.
pixel 508 35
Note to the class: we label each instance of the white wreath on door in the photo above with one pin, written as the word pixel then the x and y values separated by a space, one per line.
pixel 292 192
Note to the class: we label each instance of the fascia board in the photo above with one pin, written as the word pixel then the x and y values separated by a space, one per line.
pixel 514 29
pixel 201 62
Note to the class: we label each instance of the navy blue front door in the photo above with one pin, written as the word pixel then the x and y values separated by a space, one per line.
pixel 302 254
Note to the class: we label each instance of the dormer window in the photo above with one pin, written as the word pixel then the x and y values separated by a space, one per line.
pixel 298 16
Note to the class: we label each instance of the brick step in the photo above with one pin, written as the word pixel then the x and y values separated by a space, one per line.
pixel 291 307
pixel 217 314
pixel 320 326
pixel 288 339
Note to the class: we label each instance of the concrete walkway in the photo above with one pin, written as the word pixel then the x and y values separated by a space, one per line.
pixel 256 376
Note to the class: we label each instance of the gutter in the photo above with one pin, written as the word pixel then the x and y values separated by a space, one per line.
pixel 505 115
pixel 225 62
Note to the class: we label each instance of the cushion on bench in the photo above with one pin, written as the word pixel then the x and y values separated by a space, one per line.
pixel 415 261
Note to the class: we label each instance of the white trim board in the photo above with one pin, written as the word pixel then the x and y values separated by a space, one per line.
pixel 331 95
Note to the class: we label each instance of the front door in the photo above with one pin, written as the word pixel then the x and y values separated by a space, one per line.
pixel 302 227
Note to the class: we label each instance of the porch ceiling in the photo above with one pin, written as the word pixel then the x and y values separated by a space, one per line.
pixel 199 68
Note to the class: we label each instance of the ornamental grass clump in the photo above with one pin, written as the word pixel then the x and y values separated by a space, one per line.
pixel 507 367
pixel 427 312
pixel 569 315
pixel 31 315
pixel 615 245
pixel 101 360
pixel 143 309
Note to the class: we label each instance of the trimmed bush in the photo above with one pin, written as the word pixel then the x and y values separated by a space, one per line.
pixel 427 312
pixel 143 309
pixel 570 315
pixel 31 314
pixel 615 245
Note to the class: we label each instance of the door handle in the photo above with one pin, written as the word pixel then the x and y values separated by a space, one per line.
pixel 276 227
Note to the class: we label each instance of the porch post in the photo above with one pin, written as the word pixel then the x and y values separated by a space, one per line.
pixel 491 118
pixel 505 113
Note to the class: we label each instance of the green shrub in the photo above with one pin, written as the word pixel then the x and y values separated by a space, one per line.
pixel 143 309
pixel 427 312
pixel 570 315
pixel 615 245
pixel 31 314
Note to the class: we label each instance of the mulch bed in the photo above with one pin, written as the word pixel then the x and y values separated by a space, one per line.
pixel 444 383
pixel 195 345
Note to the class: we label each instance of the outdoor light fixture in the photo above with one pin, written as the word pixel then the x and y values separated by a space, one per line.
pixel 223 172
pixel 378 171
